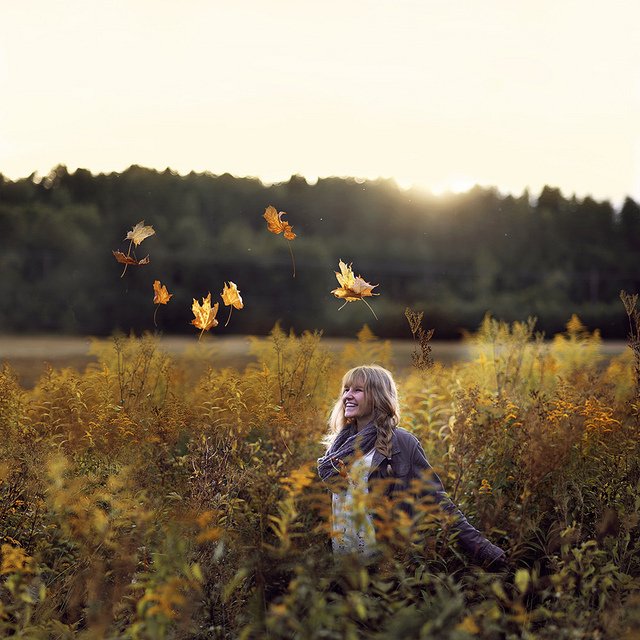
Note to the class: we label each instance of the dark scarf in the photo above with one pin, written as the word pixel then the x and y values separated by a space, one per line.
pixel 344 447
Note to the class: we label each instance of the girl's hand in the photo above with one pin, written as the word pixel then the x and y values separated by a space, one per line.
pixel 341 467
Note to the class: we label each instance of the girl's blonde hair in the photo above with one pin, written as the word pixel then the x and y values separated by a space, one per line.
pixel 380 387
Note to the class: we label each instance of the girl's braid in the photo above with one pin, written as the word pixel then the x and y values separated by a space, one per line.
pixel 385 434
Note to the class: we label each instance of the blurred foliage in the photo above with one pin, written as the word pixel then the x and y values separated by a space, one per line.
pixel 137 502
pixel 458 256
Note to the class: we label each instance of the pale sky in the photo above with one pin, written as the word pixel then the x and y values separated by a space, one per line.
pixel 440 94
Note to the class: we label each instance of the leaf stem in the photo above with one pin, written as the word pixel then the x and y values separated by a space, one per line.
pixel 229 318
pixel 368 305
pixel 154 315
pixel 292 258
pixel 128 254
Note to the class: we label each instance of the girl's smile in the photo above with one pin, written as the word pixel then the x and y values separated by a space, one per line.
pixel 357 406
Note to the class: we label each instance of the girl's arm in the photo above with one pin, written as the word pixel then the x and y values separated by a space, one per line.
pixel 471 540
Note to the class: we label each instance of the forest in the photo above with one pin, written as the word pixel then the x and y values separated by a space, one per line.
pixel 455 257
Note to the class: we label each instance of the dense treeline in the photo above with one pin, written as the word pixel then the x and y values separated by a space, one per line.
pixel 454 258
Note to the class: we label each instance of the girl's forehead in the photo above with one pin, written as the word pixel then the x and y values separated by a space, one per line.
pixel 355 379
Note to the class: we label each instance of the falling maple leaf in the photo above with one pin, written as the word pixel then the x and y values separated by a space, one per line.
pixel 127 259
pixel 231 298
pixel 353 287
pixel 160 296
pixel 135 236
pixel 205 314
pixel 160 293
pixel 139 233
pixel 277 225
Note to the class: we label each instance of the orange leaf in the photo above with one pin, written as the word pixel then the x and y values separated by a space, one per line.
pixel 276 224
pixel 139 233
pixel 231 295
pixel 205 314
pixel 125 259
pixel 160 293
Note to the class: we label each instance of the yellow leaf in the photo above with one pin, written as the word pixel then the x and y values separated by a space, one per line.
pixel 139 233
pixel 352 287
pixel 231 295
pixel 160 293
pixel 205 314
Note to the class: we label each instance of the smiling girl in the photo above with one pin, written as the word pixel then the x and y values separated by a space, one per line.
pixel 365 444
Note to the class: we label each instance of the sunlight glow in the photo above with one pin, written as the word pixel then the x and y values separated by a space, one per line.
pixel 455 185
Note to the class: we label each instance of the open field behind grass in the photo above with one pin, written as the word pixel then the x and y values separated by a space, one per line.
pixel 29 356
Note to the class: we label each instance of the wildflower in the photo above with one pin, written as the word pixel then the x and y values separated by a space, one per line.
pixel 15 559
pixel 485 487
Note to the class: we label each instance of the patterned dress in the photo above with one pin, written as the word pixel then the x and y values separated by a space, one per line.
pixel 352 525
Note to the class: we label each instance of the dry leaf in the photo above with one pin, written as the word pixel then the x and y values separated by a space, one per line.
pixel 160 293
pixel 160 296
pixel 276 224
pixel 231 297
pixel 205 314
pixel 125 259
pixel 353 287
pixel 135 236
pixel 139 233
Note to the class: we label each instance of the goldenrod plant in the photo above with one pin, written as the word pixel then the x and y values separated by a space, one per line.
pixel 148 497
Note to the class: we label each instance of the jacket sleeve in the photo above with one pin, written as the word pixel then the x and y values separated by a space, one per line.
pixel 472 542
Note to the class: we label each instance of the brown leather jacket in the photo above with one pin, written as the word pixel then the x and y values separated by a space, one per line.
pixel 408 462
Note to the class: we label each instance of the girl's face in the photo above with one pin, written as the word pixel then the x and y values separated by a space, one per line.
pixel 357 405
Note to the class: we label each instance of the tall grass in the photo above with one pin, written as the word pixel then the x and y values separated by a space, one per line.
pixel 138 502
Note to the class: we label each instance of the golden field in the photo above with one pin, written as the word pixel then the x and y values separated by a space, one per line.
pixel 156 494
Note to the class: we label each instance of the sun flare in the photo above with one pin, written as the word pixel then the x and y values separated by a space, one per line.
pixel 454 184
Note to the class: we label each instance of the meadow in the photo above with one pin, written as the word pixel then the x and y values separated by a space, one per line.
pixel 154 496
